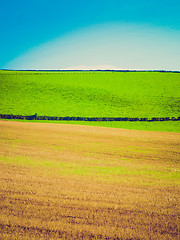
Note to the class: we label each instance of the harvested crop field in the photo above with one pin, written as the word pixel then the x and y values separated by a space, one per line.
pixel 83 182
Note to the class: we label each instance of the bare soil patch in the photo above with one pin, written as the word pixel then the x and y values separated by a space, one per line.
pixel 82 182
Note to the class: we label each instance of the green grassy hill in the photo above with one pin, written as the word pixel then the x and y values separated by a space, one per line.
pixel 90 94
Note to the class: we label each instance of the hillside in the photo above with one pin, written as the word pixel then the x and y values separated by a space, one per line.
pixel 90 94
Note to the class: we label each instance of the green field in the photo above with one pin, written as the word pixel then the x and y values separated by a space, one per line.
pixel 93 94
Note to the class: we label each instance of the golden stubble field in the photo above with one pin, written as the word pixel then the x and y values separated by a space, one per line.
pixel 81 182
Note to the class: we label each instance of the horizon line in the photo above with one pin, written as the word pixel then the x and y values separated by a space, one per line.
pixel 90 70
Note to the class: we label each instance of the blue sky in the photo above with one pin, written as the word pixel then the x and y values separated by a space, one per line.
pixel 55 34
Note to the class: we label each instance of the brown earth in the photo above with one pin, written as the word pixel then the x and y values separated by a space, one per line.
pixel 80 182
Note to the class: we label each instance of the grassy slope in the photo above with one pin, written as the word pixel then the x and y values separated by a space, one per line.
pixel 93 94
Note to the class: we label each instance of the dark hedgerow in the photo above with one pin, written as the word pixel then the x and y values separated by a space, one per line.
pixel 52 118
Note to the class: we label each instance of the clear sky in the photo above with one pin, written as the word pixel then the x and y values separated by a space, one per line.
pixel 91 34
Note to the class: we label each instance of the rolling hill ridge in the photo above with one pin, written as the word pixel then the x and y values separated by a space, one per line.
pixel 89 94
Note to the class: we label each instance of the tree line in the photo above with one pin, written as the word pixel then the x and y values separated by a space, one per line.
pixel 36 117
